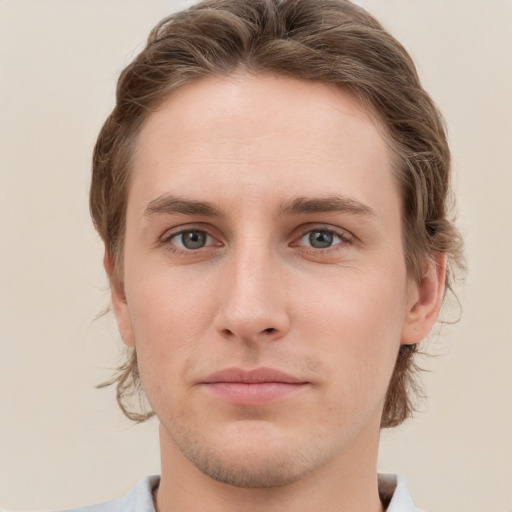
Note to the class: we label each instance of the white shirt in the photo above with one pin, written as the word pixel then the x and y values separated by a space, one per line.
pixel 395 487
pixel 140 498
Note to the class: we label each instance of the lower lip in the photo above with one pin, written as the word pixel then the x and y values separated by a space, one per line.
pixel 240 393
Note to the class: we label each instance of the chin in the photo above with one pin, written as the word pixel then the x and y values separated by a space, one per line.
pixel 255 471
pixel 251 459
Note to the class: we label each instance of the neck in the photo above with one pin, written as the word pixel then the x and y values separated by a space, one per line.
pixel 345 483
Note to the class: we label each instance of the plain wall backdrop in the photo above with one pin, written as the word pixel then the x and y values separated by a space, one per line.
pixel 62 442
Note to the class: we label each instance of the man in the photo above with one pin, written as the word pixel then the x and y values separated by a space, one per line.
pixel 272 190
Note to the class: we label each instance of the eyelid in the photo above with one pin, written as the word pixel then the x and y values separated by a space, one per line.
pixel 169 234
pixel 177 235
pixel 343 234
pixel 346 237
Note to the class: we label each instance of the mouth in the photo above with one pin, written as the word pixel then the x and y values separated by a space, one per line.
pixel 252 387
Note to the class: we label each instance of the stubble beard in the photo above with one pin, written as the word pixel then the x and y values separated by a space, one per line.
pixel 255 469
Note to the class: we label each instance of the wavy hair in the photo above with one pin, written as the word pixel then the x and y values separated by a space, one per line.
pixel 329 41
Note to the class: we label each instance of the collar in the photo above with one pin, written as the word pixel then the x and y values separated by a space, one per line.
pixel 394 493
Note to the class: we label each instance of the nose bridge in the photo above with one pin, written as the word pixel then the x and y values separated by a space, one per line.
pixel 251 260
pixel 254 302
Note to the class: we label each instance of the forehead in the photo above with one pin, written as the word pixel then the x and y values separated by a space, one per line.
pixel 267 135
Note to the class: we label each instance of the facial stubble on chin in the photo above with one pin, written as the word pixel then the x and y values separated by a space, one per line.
pixel 275 469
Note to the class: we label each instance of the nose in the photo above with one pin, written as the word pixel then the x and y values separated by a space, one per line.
pixel 253 303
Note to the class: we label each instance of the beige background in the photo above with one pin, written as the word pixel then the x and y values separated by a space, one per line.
pixel 63 443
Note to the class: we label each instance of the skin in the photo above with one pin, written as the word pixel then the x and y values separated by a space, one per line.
pixel 263 292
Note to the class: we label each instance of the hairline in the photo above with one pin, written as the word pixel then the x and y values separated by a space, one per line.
pixel 134 131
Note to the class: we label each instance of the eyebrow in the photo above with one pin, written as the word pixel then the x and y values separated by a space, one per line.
pixel 169 205
pixel 334 203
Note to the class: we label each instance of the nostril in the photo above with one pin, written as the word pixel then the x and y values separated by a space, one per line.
pixel 270 330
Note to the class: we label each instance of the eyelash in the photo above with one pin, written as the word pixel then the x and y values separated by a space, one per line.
pixel 345 237
pixel 166 241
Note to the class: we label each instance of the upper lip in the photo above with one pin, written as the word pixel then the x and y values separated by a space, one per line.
pixel 255 376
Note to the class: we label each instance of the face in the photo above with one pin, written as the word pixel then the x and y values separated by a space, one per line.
pixel 264 284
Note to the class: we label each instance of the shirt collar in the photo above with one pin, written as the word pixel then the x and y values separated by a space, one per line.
pixel 394 491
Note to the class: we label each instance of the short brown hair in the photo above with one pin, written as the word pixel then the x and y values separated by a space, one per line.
pixel 328 41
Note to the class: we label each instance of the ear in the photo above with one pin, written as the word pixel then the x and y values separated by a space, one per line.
pixel 119 304
pixel 424 301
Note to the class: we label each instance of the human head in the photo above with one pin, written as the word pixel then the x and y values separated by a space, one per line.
pixel 327 41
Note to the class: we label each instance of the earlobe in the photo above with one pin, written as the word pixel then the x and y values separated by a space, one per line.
pixel 424 301
pixel 119 304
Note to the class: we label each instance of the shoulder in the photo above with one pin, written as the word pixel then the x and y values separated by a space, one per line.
pixel 139 499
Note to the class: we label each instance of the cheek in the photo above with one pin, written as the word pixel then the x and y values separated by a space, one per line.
pixel 169 318
pixel 354 301
pixel 168 303
pixel 355 322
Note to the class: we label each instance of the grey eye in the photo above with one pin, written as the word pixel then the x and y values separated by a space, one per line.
pixel 320 239
pixel 191 239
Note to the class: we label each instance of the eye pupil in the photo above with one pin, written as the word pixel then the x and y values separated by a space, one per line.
pixel 320 239
pixel 193 239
